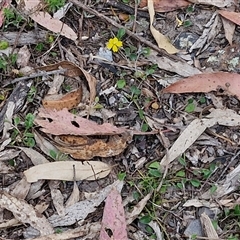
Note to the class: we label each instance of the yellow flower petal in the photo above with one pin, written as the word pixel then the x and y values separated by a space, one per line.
pixel 115 48
pixel 119 44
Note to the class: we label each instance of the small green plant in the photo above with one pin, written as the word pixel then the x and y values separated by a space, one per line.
pixel 121 83
pixel 31 94
pixel 27 137
pixel 39 47
pixel 190 106
pixel 58 156
pixel 54 5
pixel 7 62
pixel 11 18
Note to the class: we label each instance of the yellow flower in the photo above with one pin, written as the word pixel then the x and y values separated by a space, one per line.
pixel 114 44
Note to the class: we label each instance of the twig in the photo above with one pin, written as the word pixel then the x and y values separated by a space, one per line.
pixel 126 8
pixel 39 74
pixel 130 33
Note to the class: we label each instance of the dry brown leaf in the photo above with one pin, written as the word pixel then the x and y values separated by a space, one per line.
pixel 46 20
pixel 166 5
pixel 87 148
pixel 88 170
pixel 232 16
pixel 207 82
pixel 25 213
pixel 74 71
pixel 63 123
pixel 59 101
pixel 162 41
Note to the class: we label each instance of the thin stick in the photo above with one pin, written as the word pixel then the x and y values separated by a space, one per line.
pixel 130 33
pixel 39 74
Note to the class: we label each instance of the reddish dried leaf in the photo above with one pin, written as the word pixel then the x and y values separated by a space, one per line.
pixel 58 101
pixel 63 123
pixel 74 71
pixel 206 82
pixel 165 5
pixel 232 16
pixel 113 222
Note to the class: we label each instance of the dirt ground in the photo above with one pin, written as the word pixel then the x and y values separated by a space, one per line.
pixel 156 119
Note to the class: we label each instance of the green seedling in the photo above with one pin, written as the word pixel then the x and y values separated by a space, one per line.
pixel 190 106
pixel 121 176
pixel 3 45
pixel 11 18
pixel 31 94
pixel 39 47
pixel 121 83
pixel 27 137
pixel 58 156
pixel 54 5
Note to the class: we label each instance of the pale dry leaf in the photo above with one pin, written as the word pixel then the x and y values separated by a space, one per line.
pixel 35 157
pixel 88 170
pixel 57 197
pixel 45 145
pixel 113 218
pixel 217 3
pixel 228 185
pixel 23 57
pixel 21 190
pixel 229 29
pixel 80 210
pixel 181 68
pixel 208 227
pixel 207 82
pixel 137 209
pixel 162 41
pixel 87 231
pixel 5 168
pixel 63 123
pixel 224 117
pixel 74 197
pixel 56 84
pixel 25 213
pixel 7 125
pixel 46 20
pixel 8 154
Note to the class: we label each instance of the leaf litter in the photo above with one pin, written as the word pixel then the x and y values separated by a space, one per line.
pixel 72 124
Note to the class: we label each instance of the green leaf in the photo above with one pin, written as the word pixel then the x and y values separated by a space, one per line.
pixel 195 182
pixel 121 176
pixel 121 33
pixel 154 173
pixel 145 219
pixel 53 154
pixel 179 185
pixel 213 189
pixel 135 90
pixel 29 119
pixel 190 108
pixel 3 45
pixel 121 83
pixel 180 173
pixel 144 127
pixel 154 165
pixel 182 161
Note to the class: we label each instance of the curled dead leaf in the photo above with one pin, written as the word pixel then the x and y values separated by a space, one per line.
pixel 88 147
pixel 59 101
pixel 74 71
